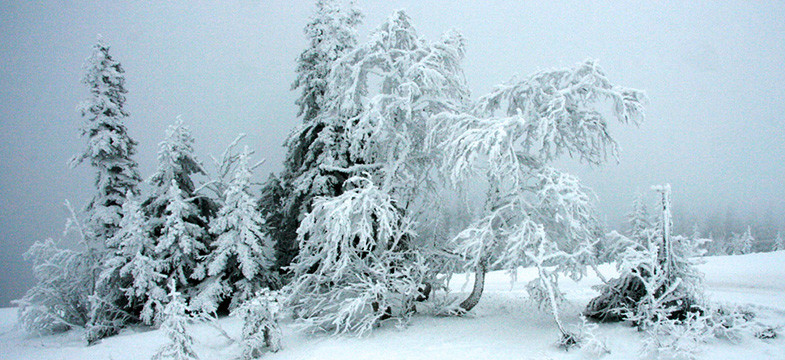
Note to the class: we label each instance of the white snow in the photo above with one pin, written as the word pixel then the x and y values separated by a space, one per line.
pixel 505 325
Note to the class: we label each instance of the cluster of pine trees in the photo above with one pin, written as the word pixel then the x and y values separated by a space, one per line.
pixel 134 245
pixel 395 179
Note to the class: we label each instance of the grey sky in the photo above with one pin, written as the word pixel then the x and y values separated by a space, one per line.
pixel 713 72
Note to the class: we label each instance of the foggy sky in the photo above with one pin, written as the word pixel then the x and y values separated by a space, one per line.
pixel 713 72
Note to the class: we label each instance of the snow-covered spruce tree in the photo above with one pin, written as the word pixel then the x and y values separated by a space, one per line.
pixel 779 242
pixel 533 215
pixel 354 268
pixel 134 262
pixel 109 150
pixel 613 244
pixel 658 279
pixel 742 244
pixel 638 219
pixel 260 324
pixel 180 345
pixel 181 238
pixel 241 257
pixel 318 141
pixel 65 279
pixel 178 215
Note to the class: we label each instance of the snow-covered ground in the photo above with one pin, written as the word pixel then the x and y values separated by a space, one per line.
pixel 503 326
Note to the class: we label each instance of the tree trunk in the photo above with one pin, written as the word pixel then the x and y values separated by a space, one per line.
pixel 474 297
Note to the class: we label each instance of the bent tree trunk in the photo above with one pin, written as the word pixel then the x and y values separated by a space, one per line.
pixel 474 297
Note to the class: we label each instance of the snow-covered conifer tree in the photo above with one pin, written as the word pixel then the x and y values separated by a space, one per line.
pixel 638 219
pixel 176 161
pixel 260 324
pixel 181 241
pixel 241 256
pixel 134 263
pixel 779 242
pixel 178 215
pixel 180 345
pixel 742 244
pixel 319 140
pixel 109 148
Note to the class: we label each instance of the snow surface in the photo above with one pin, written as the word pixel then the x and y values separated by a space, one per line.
pixel 503 326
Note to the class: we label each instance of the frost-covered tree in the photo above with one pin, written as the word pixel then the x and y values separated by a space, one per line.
pixel 382 93
pixel 388 89
pixel 181 241
pixel 178 215
pixel 260 324
pixel 135 264
pixel 109 148
pixel 331 33
pixel 180 345
pixel 176 161
pixel 354 268
pixel 533 215
pixel 742 244
pixel 241 256
pixel 318 142
pixel 779 242
pixel 638 219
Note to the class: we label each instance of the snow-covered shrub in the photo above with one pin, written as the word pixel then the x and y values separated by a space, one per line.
pixel 658 279
pixel 355 267
pixel 584 337
pixel 672 338
pixel 59 300
pixel 676 338
pixel 260 324
pixel 66 280
pixel 180 345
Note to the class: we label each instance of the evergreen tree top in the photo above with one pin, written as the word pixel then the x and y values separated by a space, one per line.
pixel 176 159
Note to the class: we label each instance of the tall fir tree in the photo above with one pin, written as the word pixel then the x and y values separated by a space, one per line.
pixel 179 216
pixel 319 140
pixel 109 148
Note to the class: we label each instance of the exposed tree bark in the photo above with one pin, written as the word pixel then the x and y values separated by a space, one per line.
pixel 474 297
